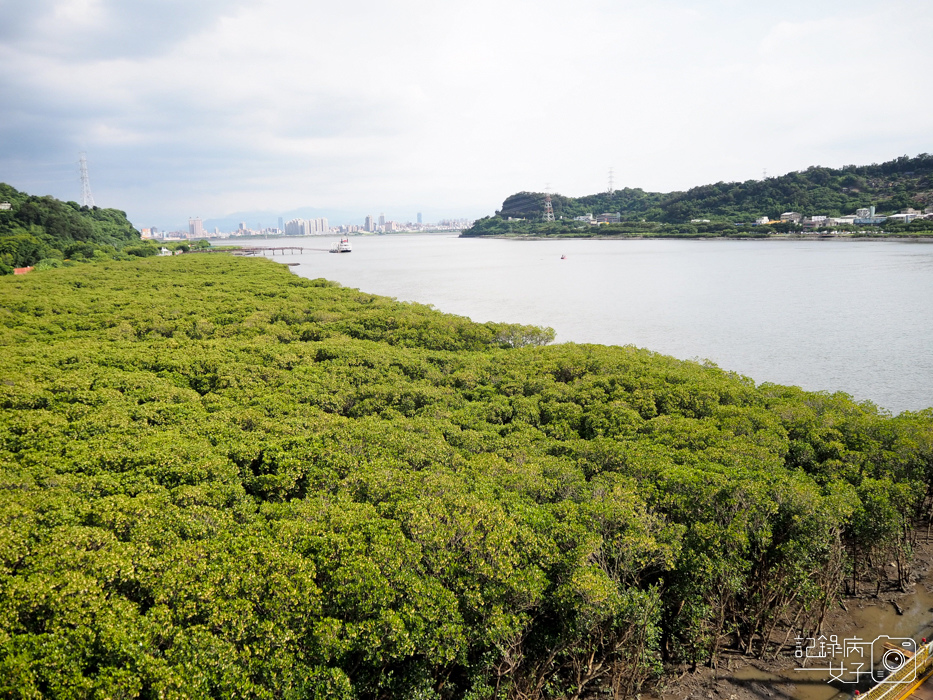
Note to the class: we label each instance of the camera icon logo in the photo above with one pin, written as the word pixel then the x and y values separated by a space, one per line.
pixel 893 659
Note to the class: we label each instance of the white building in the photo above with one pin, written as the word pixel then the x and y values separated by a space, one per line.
pixel 309 227
pixel 905 218
pixel 815 221
pixel 195 228
pixel 295 227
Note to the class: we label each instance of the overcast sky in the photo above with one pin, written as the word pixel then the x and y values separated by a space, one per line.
pixel 210 107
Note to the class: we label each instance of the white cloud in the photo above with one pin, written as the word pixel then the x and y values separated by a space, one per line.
pixel 280 103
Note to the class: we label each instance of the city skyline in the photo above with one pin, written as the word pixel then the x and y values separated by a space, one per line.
pixel 298 227
pixel 269 219
pixel 443 109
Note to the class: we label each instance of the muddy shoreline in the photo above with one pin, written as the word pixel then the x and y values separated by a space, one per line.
pixel 866 615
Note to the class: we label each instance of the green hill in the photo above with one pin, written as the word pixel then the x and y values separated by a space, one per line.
pixel 34 229
pixel 220 480
pixel 890 187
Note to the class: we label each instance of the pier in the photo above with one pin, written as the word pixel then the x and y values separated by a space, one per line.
pixel 259 250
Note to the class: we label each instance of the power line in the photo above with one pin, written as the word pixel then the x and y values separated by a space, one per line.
pixel 87 199
pixel 548 208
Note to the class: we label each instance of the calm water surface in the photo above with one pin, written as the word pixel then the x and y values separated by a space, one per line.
pixel 837 315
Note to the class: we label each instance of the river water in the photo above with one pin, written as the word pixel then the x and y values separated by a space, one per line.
pixel 830 315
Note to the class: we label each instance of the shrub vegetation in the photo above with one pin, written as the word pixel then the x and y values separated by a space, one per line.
pixel 221 480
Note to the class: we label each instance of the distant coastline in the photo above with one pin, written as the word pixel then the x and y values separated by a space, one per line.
pixel 878 200
pixel 762 237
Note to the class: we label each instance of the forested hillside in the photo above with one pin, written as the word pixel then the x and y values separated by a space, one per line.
pixel 890 187
pixel 221 480
pixel 37 229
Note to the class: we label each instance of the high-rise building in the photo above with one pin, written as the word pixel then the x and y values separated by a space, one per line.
pixel 419 217
pixel 195 228
pixel 368 226
pixel 310 227
pixel 296 227
pixel 382 219
pixel 281 224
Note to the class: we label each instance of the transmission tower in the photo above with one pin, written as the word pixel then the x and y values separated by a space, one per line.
pixel 548 208
pixel 87 199
pixel 611 182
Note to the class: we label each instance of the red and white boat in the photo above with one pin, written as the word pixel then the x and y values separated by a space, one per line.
pixel 342 247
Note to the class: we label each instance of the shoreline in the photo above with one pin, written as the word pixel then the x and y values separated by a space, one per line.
pixel 765 237
pixel 749 678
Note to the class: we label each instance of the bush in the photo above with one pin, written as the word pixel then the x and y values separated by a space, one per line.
pixel 48 264
pixel 142 251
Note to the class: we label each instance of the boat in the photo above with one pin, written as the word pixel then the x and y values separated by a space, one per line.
pixel 342 247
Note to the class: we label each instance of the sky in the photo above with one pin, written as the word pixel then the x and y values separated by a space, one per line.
pixel 215 107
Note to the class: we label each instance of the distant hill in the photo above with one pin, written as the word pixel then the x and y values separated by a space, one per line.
pixel 890 187
pixel 35 228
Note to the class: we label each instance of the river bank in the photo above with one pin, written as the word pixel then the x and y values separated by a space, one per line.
pixel 799 312
pixel 865 616
pixel 920 238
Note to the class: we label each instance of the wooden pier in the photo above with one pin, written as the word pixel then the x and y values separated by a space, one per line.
pixel 283 249
pixel 259 250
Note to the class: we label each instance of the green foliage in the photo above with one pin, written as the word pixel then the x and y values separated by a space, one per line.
pixel 221 480
pixel 146 250
pixel 891 186
pixel 43 228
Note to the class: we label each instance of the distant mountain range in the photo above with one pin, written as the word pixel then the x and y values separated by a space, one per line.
pixel 891 186
pixel 270 219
